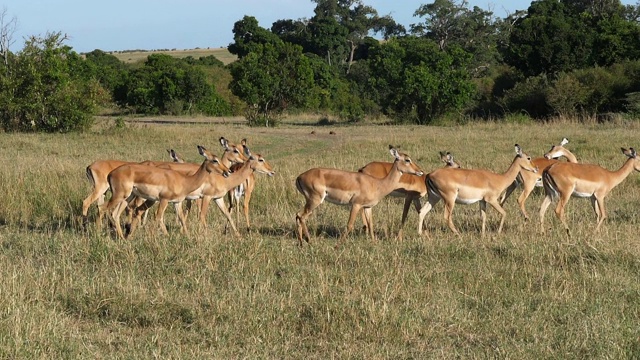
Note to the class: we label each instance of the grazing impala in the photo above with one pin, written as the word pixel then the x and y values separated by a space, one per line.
pixel 353 189
pixel 464 186
pixel 156 185
pixel 410 187
pixel 563 180
pixel 530 180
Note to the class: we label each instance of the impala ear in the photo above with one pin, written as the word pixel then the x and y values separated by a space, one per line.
pixel 631 153
pixel 449 158
pixel 394 152
pixel 202 150
pixel 518 150
pixel 247 152
pixel 173 155
pixel 564 142
pixel 243 142
pixel 224 142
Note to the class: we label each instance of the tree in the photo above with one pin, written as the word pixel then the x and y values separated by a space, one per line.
pixel 7 30
pixel 45 92
pixel 414 80
pixel 248 35
pixel 271 79
pixel 448 22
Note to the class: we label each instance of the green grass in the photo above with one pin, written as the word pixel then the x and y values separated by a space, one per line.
pixel 66 293
pixel 136 56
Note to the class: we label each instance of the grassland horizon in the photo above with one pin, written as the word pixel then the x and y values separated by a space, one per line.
pixel 73 293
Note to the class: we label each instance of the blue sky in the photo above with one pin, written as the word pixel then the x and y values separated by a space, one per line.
pixel 185 24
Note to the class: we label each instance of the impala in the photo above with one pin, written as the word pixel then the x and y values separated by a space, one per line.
pixel 243 190
pixel 563 180
pixel 156 185
pixel 355 189
pixel 411 187
pixel 216 187
pixel 530 180
pixel 464 186
pixel 175 157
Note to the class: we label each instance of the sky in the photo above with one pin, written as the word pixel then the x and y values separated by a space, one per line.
pixel 181 24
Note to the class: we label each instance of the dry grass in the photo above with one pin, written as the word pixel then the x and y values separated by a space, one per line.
pixel 136 56
pixel 70 294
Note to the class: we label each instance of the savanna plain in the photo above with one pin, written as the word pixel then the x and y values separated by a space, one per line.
pixel 67 292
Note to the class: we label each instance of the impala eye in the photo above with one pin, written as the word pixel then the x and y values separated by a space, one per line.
pixel 261 160
pixel 215 161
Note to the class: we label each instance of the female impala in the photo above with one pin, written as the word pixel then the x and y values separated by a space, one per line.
pixel 411 187
pixel 216 187
pixel 353 189
pixel 530 180
pixel 156 184
pixel 464 186
pixel 564 180
pixel 244 190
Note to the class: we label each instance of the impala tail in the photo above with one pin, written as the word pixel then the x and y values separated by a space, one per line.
pixel 550 187
pixel 433 189
pixel 90 176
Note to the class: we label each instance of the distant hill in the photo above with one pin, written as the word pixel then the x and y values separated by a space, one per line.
pixel 132 56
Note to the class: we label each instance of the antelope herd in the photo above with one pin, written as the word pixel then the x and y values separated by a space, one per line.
pixel 136 186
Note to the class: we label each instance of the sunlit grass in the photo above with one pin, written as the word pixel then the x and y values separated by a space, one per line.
pixel 67 293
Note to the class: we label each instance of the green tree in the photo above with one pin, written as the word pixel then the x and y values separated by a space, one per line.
pixel 45 91
pixel 248 35
pixel 271 79
pixel 414 80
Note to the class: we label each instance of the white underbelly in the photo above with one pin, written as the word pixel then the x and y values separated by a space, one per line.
pixel 466 201
pixel 581 194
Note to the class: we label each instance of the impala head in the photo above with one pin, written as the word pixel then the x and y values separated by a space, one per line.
pixel 215 166
pixel 631 154
pixel 447 158
pixel 175 157
pixel 405 164
pixel 232 153
pixel 557 150
pixel 524 160
pixel 258 163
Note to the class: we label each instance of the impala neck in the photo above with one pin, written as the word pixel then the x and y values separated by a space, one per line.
pixel 241 174
pixel 619 175
pixel 390 182
pixel 225 160
pixel 200 176
pixel 512 172
pixel 570 157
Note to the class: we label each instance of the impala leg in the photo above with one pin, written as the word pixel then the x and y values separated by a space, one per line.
pixel 496 205
pixel 543 209
pixel 602 213
pixel 449 204
pixel 162 206
pixel 181 218
pixel 247 199
pixel 355 208
pixel 96 195
pixel 527 187
pixel 301 218
pixel 138 215
pixel 431 201
pixel 204 206
pixel 483 214
pixel 508 192
pixel 220 202
pixel 405 211
pixel 562 203
pixel 368 214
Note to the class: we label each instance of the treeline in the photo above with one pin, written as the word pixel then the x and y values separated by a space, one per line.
pixel 577 58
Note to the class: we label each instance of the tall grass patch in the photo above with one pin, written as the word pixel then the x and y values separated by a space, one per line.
pixel 73 293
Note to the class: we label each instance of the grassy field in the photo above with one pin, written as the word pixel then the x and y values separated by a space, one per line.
pixel 135 56
pixel 67 293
